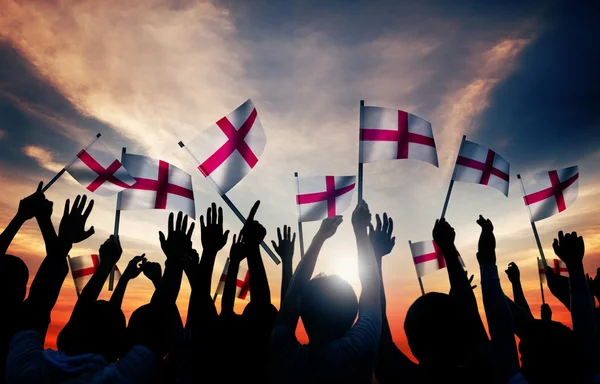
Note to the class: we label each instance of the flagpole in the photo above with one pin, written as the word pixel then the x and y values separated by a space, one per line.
pixel 417 271
pixel 541 285
pixel 360 164
pixel 69 259
pixel 452 180
pixel 111 279
pixel 533 227
pixel 232 206
pixel 60 173
pixel 300 233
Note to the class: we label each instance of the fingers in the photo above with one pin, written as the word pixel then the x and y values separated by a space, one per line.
pixel 214 213
pixel 220 217
pixel 556 247
pixel 179 221
pixel 275 247
pixel 88 210
pixel 393 240
pixel 202 225
pixel 378 220
pixel 209 215
pixel 191 230
pixel 171 228
pixel 226 235
pixel 390 226
pixel 561 237
pixel 184 224
pixel 234 237
pixel 384 228
pixel 294 238
pixel 89 233
pixel 279 238
pixel 39 187
pixel 371 229
pixel 161 238
pixel 82 204
pixel 253 211
pixel 289 233
pixel 66 211
pixel 75 204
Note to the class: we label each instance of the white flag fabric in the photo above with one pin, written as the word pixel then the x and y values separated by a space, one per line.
pixel 480 165
pixel 83 267
pixel 428 257
pixel 320 197
pixel 556 265
pixel 549 193
pixel 158 185
pixel 230 148
pixel 242 286
pixel 99 171
pixel 389 134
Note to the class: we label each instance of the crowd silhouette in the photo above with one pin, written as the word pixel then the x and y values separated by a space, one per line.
pixel 350 340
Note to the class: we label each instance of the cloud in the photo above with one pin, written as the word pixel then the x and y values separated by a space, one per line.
pixel 43 157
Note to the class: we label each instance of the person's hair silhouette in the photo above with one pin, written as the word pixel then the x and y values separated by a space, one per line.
pixel 328 308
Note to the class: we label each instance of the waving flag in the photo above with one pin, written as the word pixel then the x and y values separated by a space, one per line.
pixel 557 266
pixel 428 257
pixel 230 148
pixel 480 165
pixel 158 185
pixel 83 267
pixel 242 286
pixel 99 171
pixel 320 197
pixel 549 193
pixel 388 134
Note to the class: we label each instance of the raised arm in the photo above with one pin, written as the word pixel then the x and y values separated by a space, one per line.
pixel 285 249
pixel 236 255
pixel 254 233
pixel 213 240
pixel 514 276
pixel 153 271
pixel 559 287
pixel 133 270
pixel 368 270
pixel 290 308
pixel 28 208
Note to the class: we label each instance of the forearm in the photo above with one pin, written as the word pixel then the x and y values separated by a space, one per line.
pixel 259 283
pixel 228 299
pixel 368 273
pixel 286 276
pixel 386 333
pixel 205 271
pixel 500 322
pixel 48 232
pixel 519 297
pixel 10 232
pixel 582 308
pixel 119 293
pixel 92 289
pixel 168 289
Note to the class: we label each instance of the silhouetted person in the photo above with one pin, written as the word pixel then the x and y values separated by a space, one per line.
pixel 338 351
pixel 284 247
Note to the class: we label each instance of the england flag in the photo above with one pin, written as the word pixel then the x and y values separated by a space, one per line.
pixel 428 257
pixel 242 285
pixel 549 193
pixel 480 165
pixel 320 197
pixel 83 267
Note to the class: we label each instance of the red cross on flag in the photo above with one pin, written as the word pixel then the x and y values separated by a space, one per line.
pixel 550 193
pixel 428 257
pixel 230 148
pixel 388 134
pixel 158 185
pixel 480 165
pixel 83 267
pixel 242 286
pixel 99 171
pixel 557 266
pixel 320 197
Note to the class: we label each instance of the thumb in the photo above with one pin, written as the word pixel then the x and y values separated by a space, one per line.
pixel 371 229
pixel 226 235
pixel 161 238
pixel 275 246
pixel 89 233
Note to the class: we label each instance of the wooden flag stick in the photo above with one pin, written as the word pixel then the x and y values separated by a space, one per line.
pixel 541 285
pixel 232 206
pixel 535 232
pixel 300 233
pixel 111 279
pixel 418 277
pixel 60 173
pixel 451 181
pixel 360 164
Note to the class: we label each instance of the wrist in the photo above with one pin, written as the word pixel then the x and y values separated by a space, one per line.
pixel 575 267
pixel 19 218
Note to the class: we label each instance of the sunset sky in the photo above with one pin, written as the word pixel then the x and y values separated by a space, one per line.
pixel 521 79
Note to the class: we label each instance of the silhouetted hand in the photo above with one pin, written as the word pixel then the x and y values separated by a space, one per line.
pixel 31 205
pixel 443 234
pixel 329 226
pixel 178 244
pixel 45 210
pixel 546 312
pixel 381 238
pixel 286 244
pixel 153 271
pixel 211 233
pixel 513 273
pixel 487 242
pixel 361 217
pixel 72 226
pixel 569 248
pixel 471 280
pixel 558 286
pixel 253 232
pixel 110 251
pixel 134 267
pixel 190 261
pixel 238 250
pixel 595 284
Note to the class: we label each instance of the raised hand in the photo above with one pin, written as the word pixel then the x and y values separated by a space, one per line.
pixel 110 251
pixel 45 209
pixel 443 234
pixel 134 267
pixel 471 280
pixel 285 245
pixel 570 248
pixel 329 226
pixel 513 273
pixel 487 242
pixel 30 206
pixel 238 250
pixel 546 312
pixel 211 233
pixel 253 232
pixel 361 217
pixel 595 285
pixel 381 237
pixel 153 271
pixel 178 243
pixel 72 226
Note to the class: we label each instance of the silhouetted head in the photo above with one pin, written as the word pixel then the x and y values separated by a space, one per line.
pixel 154 328
pixel 435 330
pixel 551 353
pixel 14 275
pixel 328 308
pixel 99 328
